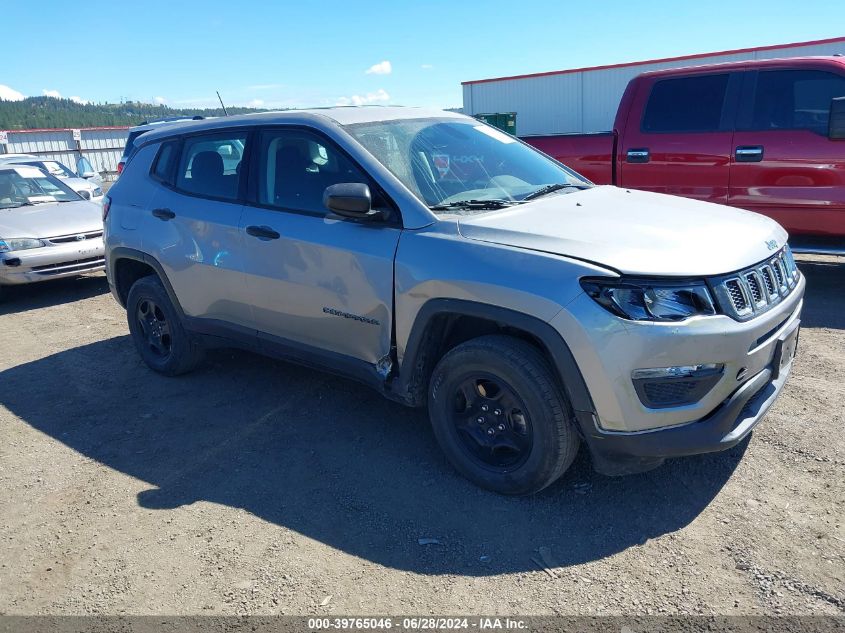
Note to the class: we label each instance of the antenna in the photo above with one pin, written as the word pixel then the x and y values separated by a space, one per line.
pixel 221 103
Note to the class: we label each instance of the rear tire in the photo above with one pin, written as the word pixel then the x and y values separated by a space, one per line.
pixel 500 416
pixel 157 330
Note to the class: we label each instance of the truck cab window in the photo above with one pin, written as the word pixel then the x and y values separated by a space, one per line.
pixel 686 104
pixel 794 99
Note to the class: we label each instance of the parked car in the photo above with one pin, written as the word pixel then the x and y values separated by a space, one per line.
pixel 89 187
pixel 445 263
pixel 146 126
pixel 47 231
pixel 765 135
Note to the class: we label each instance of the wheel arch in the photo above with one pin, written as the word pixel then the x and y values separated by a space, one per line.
pixel 127 265
pixel 441 324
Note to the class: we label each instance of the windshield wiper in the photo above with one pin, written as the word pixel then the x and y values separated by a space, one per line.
pixel 547 189
pixel 474 204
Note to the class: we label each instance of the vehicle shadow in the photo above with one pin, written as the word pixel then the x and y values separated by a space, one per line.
pixel 336 462
pixel 28 297
pixel 823 302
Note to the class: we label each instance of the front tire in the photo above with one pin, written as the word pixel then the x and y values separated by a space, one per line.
pixel 500 416
pixel 157 330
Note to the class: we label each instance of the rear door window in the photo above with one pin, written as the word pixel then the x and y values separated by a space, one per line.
pixel 210 165
pixel 686 104
pixel 793 100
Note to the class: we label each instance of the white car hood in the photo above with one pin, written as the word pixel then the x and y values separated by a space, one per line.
pixel 51 219
pixel 634 232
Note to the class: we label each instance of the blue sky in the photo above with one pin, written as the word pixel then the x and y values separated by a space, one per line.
pixel 299 54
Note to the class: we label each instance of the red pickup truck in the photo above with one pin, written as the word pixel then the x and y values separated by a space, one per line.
pixel 765 135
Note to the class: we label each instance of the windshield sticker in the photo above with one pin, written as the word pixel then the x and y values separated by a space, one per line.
pixel 441 162
pixel 29 172
pixel 494 133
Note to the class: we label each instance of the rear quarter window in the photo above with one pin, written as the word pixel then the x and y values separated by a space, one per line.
pixel 165 160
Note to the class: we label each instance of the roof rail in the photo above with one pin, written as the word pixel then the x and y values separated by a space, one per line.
pixel 196 117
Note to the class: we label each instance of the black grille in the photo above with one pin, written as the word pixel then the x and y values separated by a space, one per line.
pixel 778 272
pixel 754 287
pixel 90 235
pixel 748 293
pixel 737 297
pixel 81 264
pixel 669 392
pixel 768 278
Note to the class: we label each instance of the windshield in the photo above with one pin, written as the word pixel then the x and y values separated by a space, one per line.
pixel 24 186
pixel 449 163
pixel 53 168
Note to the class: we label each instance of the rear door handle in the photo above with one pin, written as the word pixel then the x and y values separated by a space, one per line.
pixel 749 153
pixel 263 232
pixel 638 155
pixel 164 214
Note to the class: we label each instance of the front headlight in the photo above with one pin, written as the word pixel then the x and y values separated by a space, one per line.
pixel 97 192
pixel 648 300
pixel 19 244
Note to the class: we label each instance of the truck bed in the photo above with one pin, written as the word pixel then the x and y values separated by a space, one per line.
pixel 589 154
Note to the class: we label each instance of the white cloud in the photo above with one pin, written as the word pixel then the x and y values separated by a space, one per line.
pixel 426 66
pixel 78 100
pixel 159 100
pixel 382 68
pixel 378 96
pixel 256 103
pixel 52 93
pixel 10 94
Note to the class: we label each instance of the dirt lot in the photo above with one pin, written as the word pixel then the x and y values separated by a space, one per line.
pixel 253 486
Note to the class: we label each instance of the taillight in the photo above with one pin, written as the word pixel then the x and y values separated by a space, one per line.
pixel 120 167
pixel 106 207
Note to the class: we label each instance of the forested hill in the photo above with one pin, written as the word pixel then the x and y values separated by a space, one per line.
pixel 49 112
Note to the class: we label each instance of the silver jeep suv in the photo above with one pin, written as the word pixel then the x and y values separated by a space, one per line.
pixel 445 263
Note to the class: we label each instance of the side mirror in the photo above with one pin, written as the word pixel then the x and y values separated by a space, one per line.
pixel 836 123
pixel 88 174
pixel 351 200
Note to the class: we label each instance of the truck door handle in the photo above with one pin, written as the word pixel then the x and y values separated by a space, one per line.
pixel 263 232
pixel 639 155
pixel 749 153
pixel 164 214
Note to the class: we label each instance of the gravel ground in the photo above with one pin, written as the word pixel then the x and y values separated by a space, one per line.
pixel 256 487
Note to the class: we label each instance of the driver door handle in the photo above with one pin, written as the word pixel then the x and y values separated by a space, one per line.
pixel 639 155
pixel 749 153
pixel 263 232
pixel 164 214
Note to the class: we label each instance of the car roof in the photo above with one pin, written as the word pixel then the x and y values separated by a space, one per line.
pixel 750 64
pixel 154 125
pixel 8 158
pixel 340 115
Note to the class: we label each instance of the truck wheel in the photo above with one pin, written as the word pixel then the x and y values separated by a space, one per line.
pixel 157 331
pixel 500 417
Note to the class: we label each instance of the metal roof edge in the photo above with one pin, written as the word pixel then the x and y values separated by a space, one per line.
pixel 753 49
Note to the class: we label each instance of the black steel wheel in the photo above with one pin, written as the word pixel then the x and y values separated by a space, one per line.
pixel 500 416
pixel 155 327
pixel 492 422
pixel 157 330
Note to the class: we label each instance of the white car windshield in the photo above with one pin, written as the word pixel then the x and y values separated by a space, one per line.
pixel 25 186
pixel 452 164
pixel 55 169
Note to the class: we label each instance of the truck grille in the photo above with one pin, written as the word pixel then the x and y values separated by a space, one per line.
pixel 751 292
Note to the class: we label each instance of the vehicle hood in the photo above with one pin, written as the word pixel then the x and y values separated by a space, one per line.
pixel 51 219
pixel 633 232
pixel 79 184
